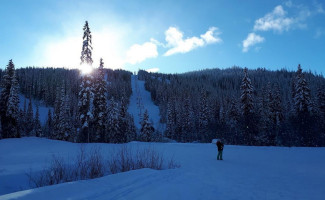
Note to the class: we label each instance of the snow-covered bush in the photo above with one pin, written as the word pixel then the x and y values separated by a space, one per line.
pixel 91 164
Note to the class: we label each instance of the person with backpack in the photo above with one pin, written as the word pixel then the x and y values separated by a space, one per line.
pixel 220 149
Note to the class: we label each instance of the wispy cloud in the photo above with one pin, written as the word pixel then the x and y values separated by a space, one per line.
pixel 251 40
pixel 138 53
pixel 277 20
pixel 177 44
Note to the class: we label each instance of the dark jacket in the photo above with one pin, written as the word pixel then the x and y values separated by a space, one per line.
pixel 220 146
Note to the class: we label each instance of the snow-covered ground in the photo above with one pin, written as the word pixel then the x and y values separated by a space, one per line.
pixel 140 101
pixel 245 173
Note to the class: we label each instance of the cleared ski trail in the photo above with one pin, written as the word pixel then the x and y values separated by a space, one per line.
pixel 140 101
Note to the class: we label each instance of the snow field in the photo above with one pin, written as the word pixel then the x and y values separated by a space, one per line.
pixel 246 173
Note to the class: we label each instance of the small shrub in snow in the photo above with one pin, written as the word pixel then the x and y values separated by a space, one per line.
pixel 89 165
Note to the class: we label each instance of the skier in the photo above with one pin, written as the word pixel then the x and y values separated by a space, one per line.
pixel 220 149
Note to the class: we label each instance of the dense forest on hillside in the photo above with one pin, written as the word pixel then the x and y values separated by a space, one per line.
pixel 240 106
pixel 254 107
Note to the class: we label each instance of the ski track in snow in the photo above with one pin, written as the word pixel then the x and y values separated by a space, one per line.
pixel 140 101
pixel 246 173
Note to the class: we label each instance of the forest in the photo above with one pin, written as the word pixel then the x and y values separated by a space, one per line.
pixel 238 105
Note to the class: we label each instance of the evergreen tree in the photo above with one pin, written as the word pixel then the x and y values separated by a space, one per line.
pixel 37 124
pixel 233 116
pixel 303 107
pixel 12 114
pixel 187 122
pixel 6 83
pixel 171 120
pixel 113 124
pixel 86 88
pixel 86 53
pixel 100 104
pixel 49 126
pixel 29 119
pixel 147 130
pixel 203 116
pixel 302 98
pixel 247 109
pixel 64 117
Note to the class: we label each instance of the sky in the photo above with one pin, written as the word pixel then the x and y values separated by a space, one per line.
pixel 165 36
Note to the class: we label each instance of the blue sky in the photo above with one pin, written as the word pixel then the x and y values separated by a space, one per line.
pixel 166 36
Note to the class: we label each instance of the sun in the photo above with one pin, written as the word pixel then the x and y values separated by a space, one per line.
pixel 85 68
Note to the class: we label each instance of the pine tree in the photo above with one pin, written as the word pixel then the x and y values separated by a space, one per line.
pixel 13 109
pixel 56 114
pixel 147 130
pixel 247 109
pixel 113 122
pixel 29 119
pixel 37 124
pixel 49 126
pixel 302 98
pixel 100 104
pixel 303 108
pixel 64 117
pixel 171 120
pixel 6 83
pixel 86 53
pixel 86 88
pixel 187 122
pixel 203 116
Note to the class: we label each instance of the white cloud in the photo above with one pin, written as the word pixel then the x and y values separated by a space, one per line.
pixel 177 44
pixel 251 40
pixel 138 53
pixel 276 21
pixel 153 70
pixel 211 37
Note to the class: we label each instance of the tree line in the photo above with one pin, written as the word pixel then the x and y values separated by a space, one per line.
pixel 246 107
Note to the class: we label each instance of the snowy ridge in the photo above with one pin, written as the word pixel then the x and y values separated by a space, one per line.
pixel 247 172
pixel 140 101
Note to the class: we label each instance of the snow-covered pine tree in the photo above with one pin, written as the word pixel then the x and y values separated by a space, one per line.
pixel 29 119
pixel 187 121
pixel 203 116
pixel 247 109
pixel 113 122
pixel 302 98
pixel 86 88
pixel 233 116
pixel 171 119
pixel 13 109
pixel 86 53
pixel 56 114
pixel 147 130
pixel 37 124
pixel 6 83
pixel 123 124
pixel 303 108
pixel 321 101
pixel 22 119
pixel 100 104
pixel 49 125
pixel 64 117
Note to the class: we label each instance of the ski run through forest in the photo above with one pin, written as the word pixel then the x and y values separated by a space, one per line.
pixel 272 124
